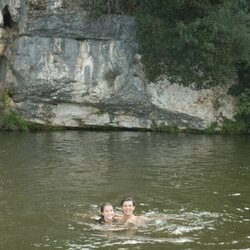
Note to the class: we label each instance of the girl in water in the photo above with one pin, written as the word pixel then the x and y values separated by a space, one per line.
pixel 107 214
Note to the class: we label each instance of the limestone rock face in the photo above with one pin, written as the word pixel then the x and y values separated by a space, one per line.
pixel 64 68
pixel 3 40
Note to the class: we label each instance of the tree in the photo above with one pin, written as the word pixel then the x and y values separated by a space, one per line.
pixel 198 42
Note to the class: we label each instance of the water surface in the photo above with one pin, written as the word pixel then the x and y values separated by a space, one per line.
pixel 195 187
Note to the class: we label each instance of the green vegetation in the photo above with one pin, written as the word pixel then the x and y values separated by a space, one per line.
pixel 212 129
pixel 118 7
pixel 234 127
pixel 162 127
pixel 242 117
pixel 244 107
pixel 194 42
pixel 241 123
pixel 9 120
pixel 199 44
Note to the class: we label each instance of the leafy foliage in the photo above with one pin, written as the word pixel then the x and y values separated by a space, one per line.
pixel 241 124
pixel 243 113
pixel 118 7
pixel 244 107
pixel 192 41
pixel 234 127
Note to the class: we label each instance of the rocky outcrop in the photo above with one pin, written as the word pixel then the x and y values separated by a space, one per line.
pixel 3 40
pixel 64 68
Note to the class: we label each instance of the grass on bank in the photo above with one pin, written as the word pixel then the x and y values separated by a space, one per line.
pixel 9 120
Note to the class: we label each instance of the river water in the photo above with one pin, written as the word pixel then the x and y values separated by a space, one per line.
pixel 194 188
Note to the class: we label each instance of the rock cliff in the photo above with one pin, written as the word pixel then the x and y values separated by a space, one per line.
pixel 64 68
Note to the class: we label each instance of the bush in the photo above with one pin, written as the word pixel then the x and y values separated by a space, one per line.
pixel 117 7
pixel 9 120
pixel 194 42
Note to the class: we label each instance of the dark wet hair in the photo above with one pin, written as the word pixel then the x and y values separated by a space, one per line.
pixel 102 220
pixel 128 199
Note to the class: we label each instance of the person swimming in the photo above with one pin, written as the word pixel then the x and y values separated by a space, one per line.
pixel 107 214
pixel 128 207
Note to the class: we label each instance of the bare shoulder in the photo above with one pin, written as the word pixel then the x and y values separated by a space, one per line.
pixel 142 219
pixel 137 220
pixel 118 218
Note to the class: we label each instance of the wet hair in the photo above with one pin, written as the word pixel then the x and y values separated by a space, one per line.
pixel 102 220
pixel 128 199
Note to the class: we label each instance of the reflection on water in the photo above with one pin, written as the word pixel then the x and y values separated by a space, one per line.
pixel 195 188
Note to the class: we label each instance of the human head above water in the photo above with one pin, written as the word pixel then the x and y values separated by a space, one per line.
pixel 128 199
pixel 105 205
pixel 107 213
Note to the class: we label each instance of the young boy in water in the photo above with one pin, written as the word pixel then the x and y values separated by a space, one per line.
pixel 128 217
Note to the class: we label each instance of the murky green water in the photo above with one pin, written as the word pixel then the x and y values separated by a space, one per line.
pixel 201 183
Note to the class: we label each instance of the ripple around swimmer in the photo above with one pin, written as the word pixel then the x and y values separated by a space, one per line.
pixel 127 241
pixel 162 228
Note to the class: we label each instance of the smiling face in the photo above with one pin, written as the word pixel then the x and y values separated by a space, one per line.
pixel 108 213
pixel 128 208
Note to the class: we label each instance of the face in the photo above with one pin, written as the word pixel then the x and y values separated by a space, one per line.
pixel 108 213
pixel 128 208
